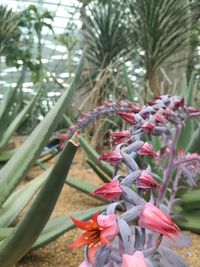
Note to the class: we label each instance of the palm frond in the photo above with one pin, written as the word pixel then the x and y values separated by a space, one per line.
pixel 104 33
pixel 160 29
pixel 9 30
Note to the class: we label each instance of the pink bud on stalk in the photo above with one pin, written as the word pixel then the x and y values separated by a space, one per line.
pixel 135 260
pixel 110 191
pixel 147 150
pixel 120 137
pixel 146 181
pixel 159 117
pixel 114 157
pixel 128 117
pixel 148 127
pixel 156 220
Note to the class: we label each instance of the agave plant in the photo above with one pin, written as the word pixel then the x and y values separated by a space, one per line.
pixel 11 174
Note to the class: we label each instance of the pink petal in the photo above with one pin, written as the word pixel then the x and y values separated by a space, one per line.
pixel 135 260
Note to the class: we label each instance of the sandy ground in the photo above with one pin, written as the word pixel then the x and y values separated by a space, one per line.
pixel 56 254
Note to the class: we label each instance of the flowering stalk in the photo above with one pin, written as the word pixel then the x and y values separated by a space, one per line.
pixel 169 169
pixel 108 109
pixel 131 232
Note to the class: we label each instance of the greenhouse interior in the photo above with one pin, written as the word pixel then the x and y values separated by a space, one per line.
pixel 99 133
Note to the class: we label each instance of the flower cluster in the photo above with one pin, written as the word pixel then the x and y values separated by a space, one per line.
pixel 131 230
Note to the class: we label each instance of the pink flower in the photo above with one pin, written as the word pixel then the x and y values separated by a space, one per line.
pixel 146 181
pixel 100 230
pixel 156 220
pixel 167 112
pixel 63 137
pixel 178 103
pixel 114 157
pixel 135 260
pixel 120 137
pixel 159 117
pixel 148 127
pixel 147 150
pixel 110 191
pixel 128 117
pixel 134 108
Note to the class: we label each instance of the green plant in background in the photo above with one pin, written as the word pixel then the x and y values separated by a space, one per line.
pixel 108 49
pixel 28 59
pixel 49 183
pixel 159 30
pixel 105 34
pixel 9 30
pixel 32 21
pixel 10 116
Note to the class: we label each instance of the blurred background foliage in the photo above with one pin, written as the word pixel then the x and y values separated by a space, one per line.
pixel 135 50
pixel 58 60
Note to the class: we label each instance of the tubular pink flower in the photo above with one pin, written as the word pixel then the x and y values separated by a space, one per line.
pixel 135 260
pixel 147 150
pixel 120 137
pixel 114 157
pixel 134 108
pixel 63 137
pixel 159 117
pixel 167 112
pixel 110 191
pixel 128 117
pixel 148 127
pixel 146 181
pixel 178 103
pixel 100 230
pixel 156 220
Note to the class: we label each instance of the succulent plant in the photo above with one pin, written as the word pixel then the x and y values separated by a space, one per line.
pixel 142 201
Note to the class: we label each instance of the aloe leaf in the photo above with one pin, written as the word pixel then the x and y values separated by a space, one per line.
pixel 191 200
pixel 5 232
pixel 93 156
pixel 99 172
pixel 30 227
pixel 186 134
pixel 191 89
pixel 156 143
pixel 58 226
pixel 13 126
pixel 17 167
pixel 192 222
pixel 191 196
pixel 84 187
pixel 6 101
pixel 17 200
pixel 6 155
pixel 194 144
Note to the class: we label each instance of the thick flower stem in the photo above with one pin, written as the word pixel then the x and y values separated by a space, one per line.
pixel 169 169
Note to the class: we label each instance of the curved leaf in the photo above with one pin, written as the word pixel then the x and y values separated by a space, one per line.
pixel 30 227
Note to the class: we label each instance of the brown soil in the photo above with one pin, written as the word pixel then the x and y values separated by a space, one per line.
pixel 56 254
